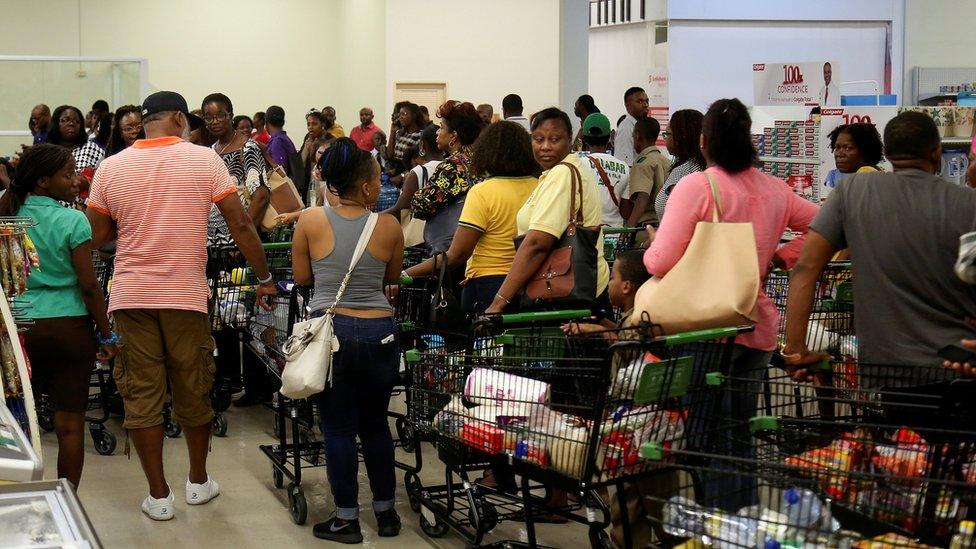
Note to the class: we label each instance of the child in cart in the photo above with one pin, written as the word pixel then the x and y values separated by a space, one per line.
pixel 642 497
pixel 626 277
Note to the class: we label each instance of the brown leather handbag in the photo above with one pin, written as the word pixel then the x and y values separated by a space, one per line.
pixel 567 277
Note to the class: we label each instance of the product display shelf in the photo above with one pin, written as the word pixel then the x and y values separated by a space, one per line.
pixel 17 258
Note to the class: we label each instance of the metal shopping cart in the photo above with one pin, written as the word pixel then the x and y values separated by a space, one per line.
pixel 860 453
pixel 295 421
pixel 619 239
pixel 566 413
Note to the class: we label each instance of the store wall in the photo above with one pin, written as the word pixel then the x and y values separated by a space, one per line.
pixel 620 57
pixel 938 34
pixel 483 51
pixel 256 52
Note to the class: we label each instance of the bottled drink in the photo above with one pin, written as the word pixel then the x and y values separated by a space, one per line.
pixel 965 539
pixel 683 518
pixel 802 508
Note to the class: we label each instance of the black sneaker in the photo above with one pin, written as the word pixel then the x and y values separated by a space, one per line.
pixel 336 529
pixel 388 523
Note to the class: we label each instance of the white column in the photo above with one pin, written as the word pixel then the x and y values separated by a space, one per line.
pixel 574 45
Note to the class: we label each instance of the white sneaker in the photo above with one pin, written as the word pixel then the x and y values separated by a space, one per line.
pixel 198 494
pixel 159 509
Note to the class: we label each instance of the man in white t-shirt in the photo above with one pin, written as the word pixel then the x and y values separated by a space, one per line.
pixel 512 111
pixel 612 175
pixel 636 103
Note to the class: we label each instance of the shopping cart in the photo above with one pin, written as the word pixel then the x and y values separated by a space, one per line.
pixel 619 239
pixel 295 421
pixel 895 460
pixel 564 412
pixel 236 314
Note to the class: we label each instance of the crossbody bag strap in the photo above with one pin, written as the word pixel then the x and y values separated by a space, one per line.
pixel 605 178
pixel 356 256
pixel 717 214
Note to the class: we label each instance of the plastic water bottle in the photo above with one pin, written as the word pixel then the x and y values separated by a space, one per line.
pixel 683 517
pixel 802 508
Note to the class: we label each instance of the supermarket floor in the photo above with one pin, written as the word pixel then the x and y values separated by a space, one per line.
pixel 250 511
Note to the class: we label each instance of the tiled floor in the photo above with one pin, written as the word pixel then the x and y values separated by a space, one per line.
pixel 250 512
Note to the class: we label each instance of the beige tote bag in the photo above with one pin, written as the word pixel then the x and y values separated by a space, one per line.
pixel 715 284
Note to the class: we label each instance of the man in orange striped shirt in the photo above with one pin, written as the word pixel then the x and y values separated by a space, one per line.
pixel 155 198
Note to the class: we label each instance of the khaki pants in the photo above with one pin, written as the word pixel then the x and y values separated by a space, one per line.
pixel 160 345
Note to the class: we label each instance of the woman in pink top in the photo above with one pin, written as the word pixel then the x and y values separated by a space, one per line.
pixel 748 195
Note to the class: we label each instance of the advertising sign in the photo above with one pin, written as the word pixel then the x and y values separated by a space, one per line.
pixel 830 119
pixel 813 83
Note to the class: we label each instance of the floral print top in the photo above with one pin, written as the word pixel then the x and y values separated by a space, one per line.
pixel 451 180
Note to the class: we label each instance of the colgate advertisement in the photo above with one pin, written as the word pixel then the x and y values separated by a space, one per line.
pixel 808 83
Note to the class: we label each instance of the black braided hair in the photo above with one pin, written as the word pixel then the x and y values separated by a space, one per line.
pixel 344 165
pixel 41 160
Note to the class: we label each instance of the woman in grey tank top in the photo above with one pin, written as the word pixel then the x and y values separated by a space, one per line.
pixel 365 367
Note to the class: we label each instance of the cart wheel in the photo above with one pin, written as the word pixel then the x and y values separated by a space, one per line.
pixel 220 425
pixel 277 477
pixel 412 484
pixel 172 429
pixel 488 516
pixel 405 433
pixel 436 530
pixel 105 442
pixel 297 505
pixel 600 540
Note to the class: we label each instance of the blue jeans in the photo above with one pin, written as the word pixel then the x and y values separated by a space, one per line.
pixel 718 422
pixel 363 374
pixel 478 293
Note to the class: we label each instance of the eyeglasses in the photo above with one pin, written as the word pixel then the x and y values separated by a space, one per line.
pixel 220 117
pixel 69 120
pixel 132 128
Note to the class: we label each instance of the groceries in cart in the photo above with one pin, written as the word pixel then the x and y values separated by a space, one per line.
pixel 798 519
pixel 506 413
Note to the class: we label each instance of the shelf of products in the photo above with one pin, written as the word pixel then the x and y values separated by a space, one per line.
pixel 788 150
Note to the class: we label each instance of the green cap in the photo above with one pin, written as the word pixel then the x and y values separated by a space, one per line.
pixel 596 125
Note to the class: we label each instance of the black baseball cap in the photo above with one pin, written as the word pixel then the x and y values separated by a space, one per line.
pixel 163 101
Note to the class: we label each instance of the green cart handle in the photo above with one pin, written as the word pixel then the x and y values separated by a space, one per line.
pixel 622 230
pixel 545 316
pixel 706 335
pixel 276 245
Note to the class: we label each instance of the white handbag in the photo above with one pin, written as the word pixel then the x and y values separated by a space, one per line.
pixel 308 351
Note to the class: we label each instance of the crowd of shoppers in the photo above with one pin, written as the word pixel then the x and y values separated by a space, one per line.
pixel 494 197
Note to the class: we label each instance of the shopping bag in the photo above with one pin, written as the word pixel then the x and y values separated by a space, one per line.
pixel 284 198
pixel 715 284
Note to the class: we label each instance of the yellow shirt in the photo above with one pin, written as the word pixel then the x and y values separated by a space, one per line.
pixel 547 209
pixel 867 169
pixel 336 130
pixel 490 209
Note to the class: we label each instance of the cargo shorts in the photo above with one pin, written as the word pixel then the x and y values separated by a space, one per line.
pixel 160 346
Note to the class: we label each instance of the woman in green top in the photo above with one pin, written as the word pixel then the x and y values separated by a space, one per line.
pixel 63 295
